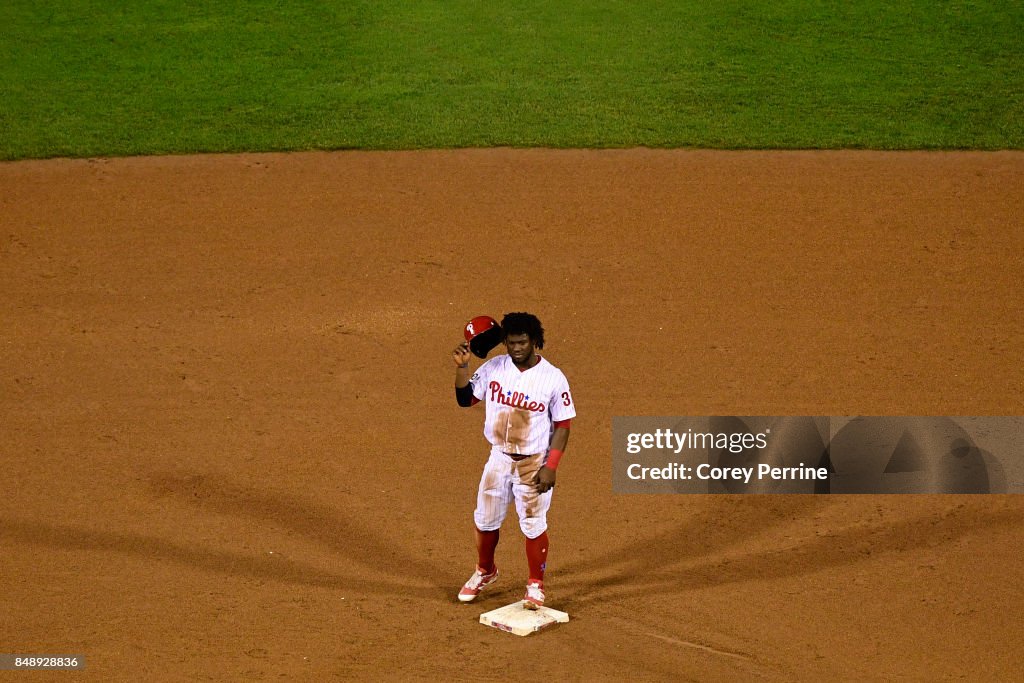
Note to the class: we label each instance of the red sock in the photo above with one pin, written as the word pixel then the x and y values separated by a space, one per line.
pixel 486 542
pixel 537 556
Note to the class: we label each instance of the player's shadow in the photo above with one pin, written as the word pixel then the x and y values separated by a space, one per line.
pixel 71 537
pixel 651 565
pixel 630 563
pixel 370 561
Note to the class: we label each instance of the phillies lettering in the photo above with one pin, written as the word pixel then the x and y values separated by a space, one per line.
pixel 514 399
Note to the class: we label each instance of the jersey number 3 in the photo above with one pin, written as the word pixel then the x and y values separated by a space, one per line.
pixel 565 398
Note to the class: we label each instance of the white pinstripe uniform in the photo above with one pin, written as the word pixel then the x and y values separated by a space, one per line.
pixel 522 406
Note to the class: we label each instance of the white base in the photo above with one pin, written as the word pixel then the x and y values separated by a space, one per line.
pixel 517 619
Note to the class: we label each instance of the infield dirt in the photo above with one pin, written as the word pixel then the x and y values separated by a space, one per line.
pixel 232 451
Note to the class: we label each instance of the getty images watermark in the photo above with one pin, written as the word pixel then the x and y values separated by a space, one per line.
pixel 786 454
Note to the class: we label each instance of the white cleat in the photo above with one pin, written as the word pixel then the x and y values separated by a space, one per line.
pixel 534 597
pixel 477 583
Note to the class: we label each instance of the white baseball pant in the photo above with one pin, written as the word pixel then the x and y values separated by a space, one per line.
pixel 505 480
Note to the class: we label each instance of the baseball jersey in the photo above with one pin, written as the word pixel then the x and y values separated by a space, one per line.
pixel 522 405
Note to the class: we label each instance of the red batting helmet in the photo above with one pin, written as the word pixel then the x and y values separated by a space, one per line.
pixel 483 333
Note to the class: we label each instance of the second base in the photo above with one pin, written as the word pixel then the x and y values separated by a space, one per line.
pixel 517 619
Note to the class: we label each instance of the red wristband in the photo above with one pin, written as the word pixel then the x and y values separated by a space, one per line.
pixel 554 455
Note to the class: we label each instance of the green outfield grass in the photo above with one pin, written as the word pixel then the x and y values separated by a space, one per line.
pixel 87 78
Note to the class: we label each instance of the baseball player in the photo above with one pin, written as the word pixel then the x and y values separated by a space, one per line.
pixel 528 410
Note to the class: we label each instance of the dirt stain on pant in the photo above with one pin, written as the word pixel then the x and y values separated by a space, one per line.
pixel 527 470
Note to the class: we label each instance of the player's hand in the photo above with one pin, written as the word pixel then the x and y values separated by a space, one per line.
pixel 545 479
pixel 461 355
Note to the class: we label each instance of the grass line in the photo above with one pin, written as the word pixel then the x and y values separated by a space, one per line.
pixel 88 78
